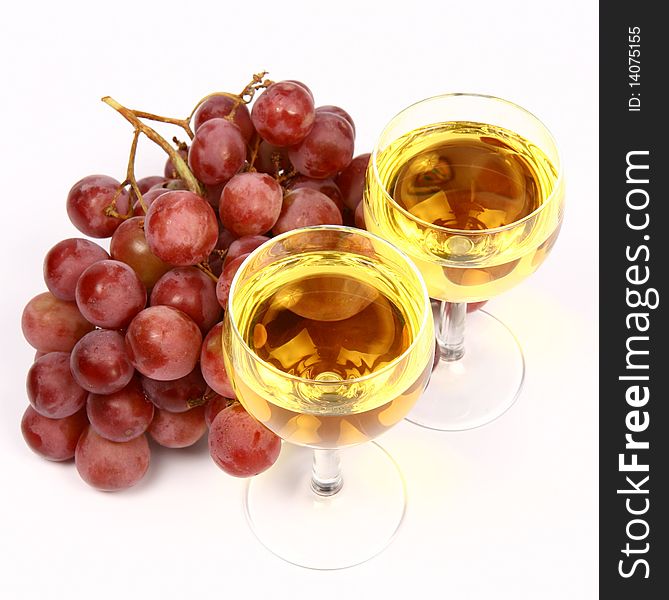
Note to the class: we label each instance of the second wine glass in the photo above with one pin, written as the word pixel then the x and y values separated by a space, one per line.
pixel 471 188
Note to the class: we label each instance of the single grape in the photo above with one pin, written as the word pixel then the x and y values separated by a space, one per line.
pixel 271 159
pixel 178 430
pixel 284 113
pixel 192 292
pixel 179 395
pixel 163 343
pixel 100 363
pixel 109 294
pixel 53 325
pixel 218 151
pixel 121 416
pixel 213 194
pixel 240 445
pixel 250 204
pixel 225 280
pixel 216 258
pixel 111 466
pixel 148 198
pixel 87 201
pixel 53 439
pixel 181 228
pixel 129 245
pixel 220 106
pixel 351 181
pixel 331 108
pixel 66 261
pixel 170 170
pixel 304 207
pixel 302 85
pixel 212 364
pixel 51 389
pixel 244 245
pixel 359 218
pixel 324 186
pixel 146 183
pixel 326 150
pixel 215 405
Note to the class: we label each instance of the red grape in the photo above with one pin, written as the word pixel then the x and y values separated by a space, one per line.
pixel 179 395
pixel 163 343
pixel 284 113
pixel 351 180
pixel 304 207
pixel 218 151
pixel 170 170
pixel 215 405
pixel 87 201
pixel 215 260
pixel 192 292
pixel 225 280
pixel 53 325
pixel 240 445
pixel 213 194
pixel 178 430
pixel 250 203
pixel 244 245
pixel 53 439
pixel 212 364
pixel 111 466
pixel 220 106
pixel 100 363
pixel 109 294
pixel 326 150
pixel 121 416
pixel 146 183
pixel 324 186
pixel 181 228
pixel 148 198
pixel 331 108
pixel 129 245
pixel 51 389
pixel 272 159
pixel 360 216
pixel 66 261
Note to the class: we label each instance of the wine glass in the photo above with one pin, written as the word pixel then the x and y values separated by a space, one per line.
pixel 329 341
pixel 471 188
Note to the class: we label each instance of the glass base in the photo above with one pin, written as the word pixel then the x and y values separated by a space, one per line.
pixel 333 532
pixel 478 388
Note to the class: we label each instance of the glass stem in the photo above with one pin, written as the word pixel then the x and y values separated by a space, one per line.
pixel 326 479
pixel 451 330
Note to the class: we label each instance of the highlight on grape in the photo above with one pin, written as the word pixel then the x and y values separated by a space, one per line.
pixel 128 337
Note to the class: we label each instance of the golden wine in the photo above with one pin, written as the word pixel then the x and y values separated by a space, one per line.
pixel 325 330
pixel 463 199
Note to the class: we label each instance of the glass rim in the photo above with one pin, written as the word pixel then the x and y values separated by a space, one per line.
pixel 427 313
pixel 465 232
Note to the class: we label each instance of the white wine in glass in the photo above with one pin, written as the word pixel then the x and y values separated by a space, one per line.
pixel 471 188
pixel 329 341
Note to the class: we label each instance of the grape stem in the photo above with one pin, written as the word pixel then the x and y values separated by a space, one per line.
pixel 204 267
pixel 179 163
pixel 130 180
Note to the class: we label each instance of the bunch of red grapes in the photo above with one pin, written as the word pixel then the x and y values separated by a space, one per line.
pixel 128 339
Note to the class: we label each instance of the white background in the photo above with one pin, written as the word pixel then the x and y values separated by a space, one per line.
pixel 506 511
